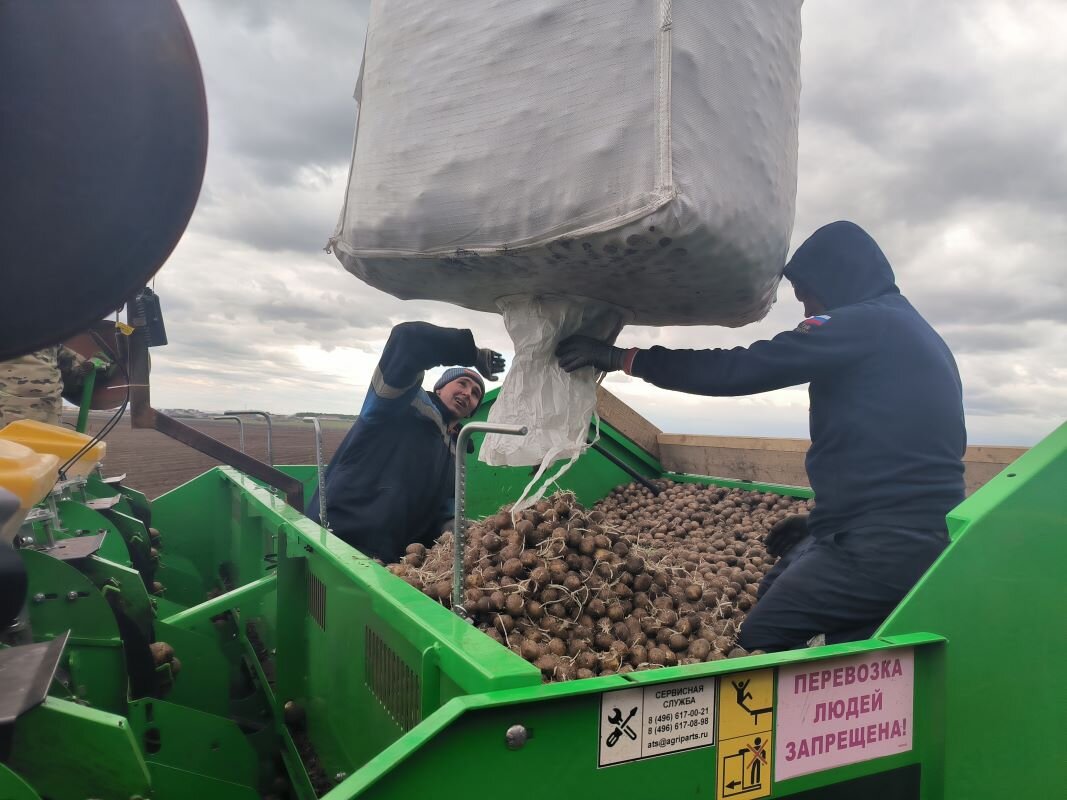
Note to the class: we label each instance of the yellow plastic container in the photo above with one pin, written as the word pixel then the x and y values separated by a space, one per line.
pixel 55 440
pixel 27 475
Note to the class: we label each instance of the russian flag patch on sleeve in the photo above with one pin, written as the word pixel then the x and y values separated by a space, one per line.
pixel 813 322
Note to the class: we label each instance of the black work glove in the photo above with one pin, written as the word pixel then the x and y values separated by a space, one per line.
pixel 576 352
pixel 489 363
pixel 786 534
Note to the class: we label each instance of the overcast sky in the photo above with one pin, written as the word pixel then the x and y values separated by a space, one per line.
pixel 939 127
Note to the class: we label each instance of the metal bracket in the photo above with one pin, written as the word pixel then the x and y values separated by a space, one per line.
pixel 104 503
pixel 28 671
pixel 459 529
pixel 76 547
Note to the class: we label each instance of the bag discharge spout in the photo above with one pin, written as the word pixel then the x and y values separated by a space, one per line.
pixel 575 167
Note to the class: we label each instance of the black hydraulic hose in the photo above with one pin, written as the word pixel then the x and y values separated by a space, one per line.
pixel 641 479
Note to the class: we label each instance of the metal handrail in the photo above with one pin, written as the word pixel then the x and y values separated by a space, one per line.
pixel 266 416
pixel 320 462
pixel 240 428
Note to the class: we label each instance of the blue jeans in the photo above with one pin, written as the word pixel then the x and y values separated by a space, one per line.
pixel 843 585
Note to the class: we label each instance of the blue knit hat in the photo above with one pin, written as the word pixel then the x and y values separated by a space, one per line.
pixel 460 372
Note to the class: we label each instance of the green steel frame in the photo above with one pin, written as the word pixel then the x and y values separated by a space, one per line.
pixel 394 694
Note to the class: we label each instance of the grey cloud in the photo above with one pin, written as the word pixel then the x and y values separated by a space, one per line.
pixel 281 232
pixel 978 306
pixel 986 339
pixel 916 122
pixel 279 78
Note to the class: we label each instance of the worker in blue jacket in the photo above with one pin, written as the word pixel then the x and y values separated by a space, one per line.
pixel 887 438
pixel 391 481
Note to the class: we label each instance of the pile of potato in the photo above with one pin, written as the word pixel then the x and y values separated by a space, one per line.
pixel 637 582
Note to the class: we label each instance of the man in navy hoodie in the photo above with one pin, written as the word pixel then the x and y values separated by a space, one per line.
pixel 391 481
pixel 887 436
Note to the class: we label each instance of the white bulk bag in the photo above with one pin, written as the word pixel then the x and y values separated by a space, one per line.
pixel 637 153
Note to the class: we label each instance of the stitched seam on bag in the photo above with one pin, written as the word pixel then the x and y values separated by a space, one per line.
pixel 664 174
pixel 659 200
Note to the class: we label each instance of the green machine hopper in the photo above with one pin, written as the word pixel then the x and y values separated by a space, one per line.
pixel 301 668
pixel 215 644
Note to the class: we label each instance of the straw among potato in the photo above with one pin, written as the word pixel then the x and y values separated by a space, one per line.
pixel 636 582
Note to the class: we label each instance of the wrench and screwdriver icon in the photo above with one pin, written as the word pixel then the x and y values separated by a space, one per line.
pixel 621 726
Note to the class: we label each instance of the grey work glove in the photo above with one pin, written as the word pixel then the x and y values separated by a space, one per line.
pixel 786 534
pixel 576 352
pixel 489 363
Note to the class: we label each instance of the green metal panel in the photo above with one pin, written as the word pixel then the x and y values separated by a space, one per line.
pixel 403 696
pixel 70 752
pixel 170 783
pixel 204 681
pixel 374 653
pixel 342 621
pixel 253 541
pixel 462 746
pixel 98 676
pixel 135 534
pixel 1006 699
pixel 184 738
pixel 63 598
pixel 123 587
pixel 13 787
pixel 135 503
pixel 365 653
pixel 194 517
pixel 307 474
pixel 180 574
pixel 164 607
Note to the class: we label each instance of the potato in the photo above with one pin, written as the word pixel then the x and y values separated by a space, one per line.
pixel 634 583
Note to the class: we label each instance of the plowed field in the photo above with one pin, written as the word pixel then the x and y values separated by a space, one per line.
pixel 154 463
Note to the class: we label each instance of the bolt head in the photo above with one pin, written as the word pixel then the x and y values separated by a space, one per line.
pixel 515 737
pixel 39 598
pixel 72 596
pixel 340 776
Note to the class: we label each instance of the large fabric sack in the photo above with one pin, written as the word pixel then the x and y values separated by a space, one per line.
pixel 636 153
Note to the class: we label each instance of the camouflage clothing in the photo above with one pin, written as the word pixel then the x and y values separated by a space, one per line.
pixel 32 386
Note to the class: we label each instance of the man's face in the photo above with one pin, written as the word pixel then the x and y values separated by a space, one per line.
pixel 461 396
pixel 812 305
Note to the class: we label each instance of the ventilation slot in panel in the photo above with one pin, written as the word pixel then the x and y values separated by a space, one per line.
pixel 392 682
pixel 316 600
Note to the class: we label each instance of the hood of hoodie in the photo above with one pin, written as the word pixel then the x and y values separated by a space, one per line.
pixel 841 264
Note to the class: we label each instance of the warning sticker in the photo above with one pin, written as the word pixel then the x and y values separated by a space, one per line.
pixel 744 766
pixel 746 720
pixel 844 711
pixel 656 720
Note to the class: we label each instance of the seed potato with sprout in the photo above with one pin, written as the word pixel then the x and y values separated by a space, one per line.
pixel 636 582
